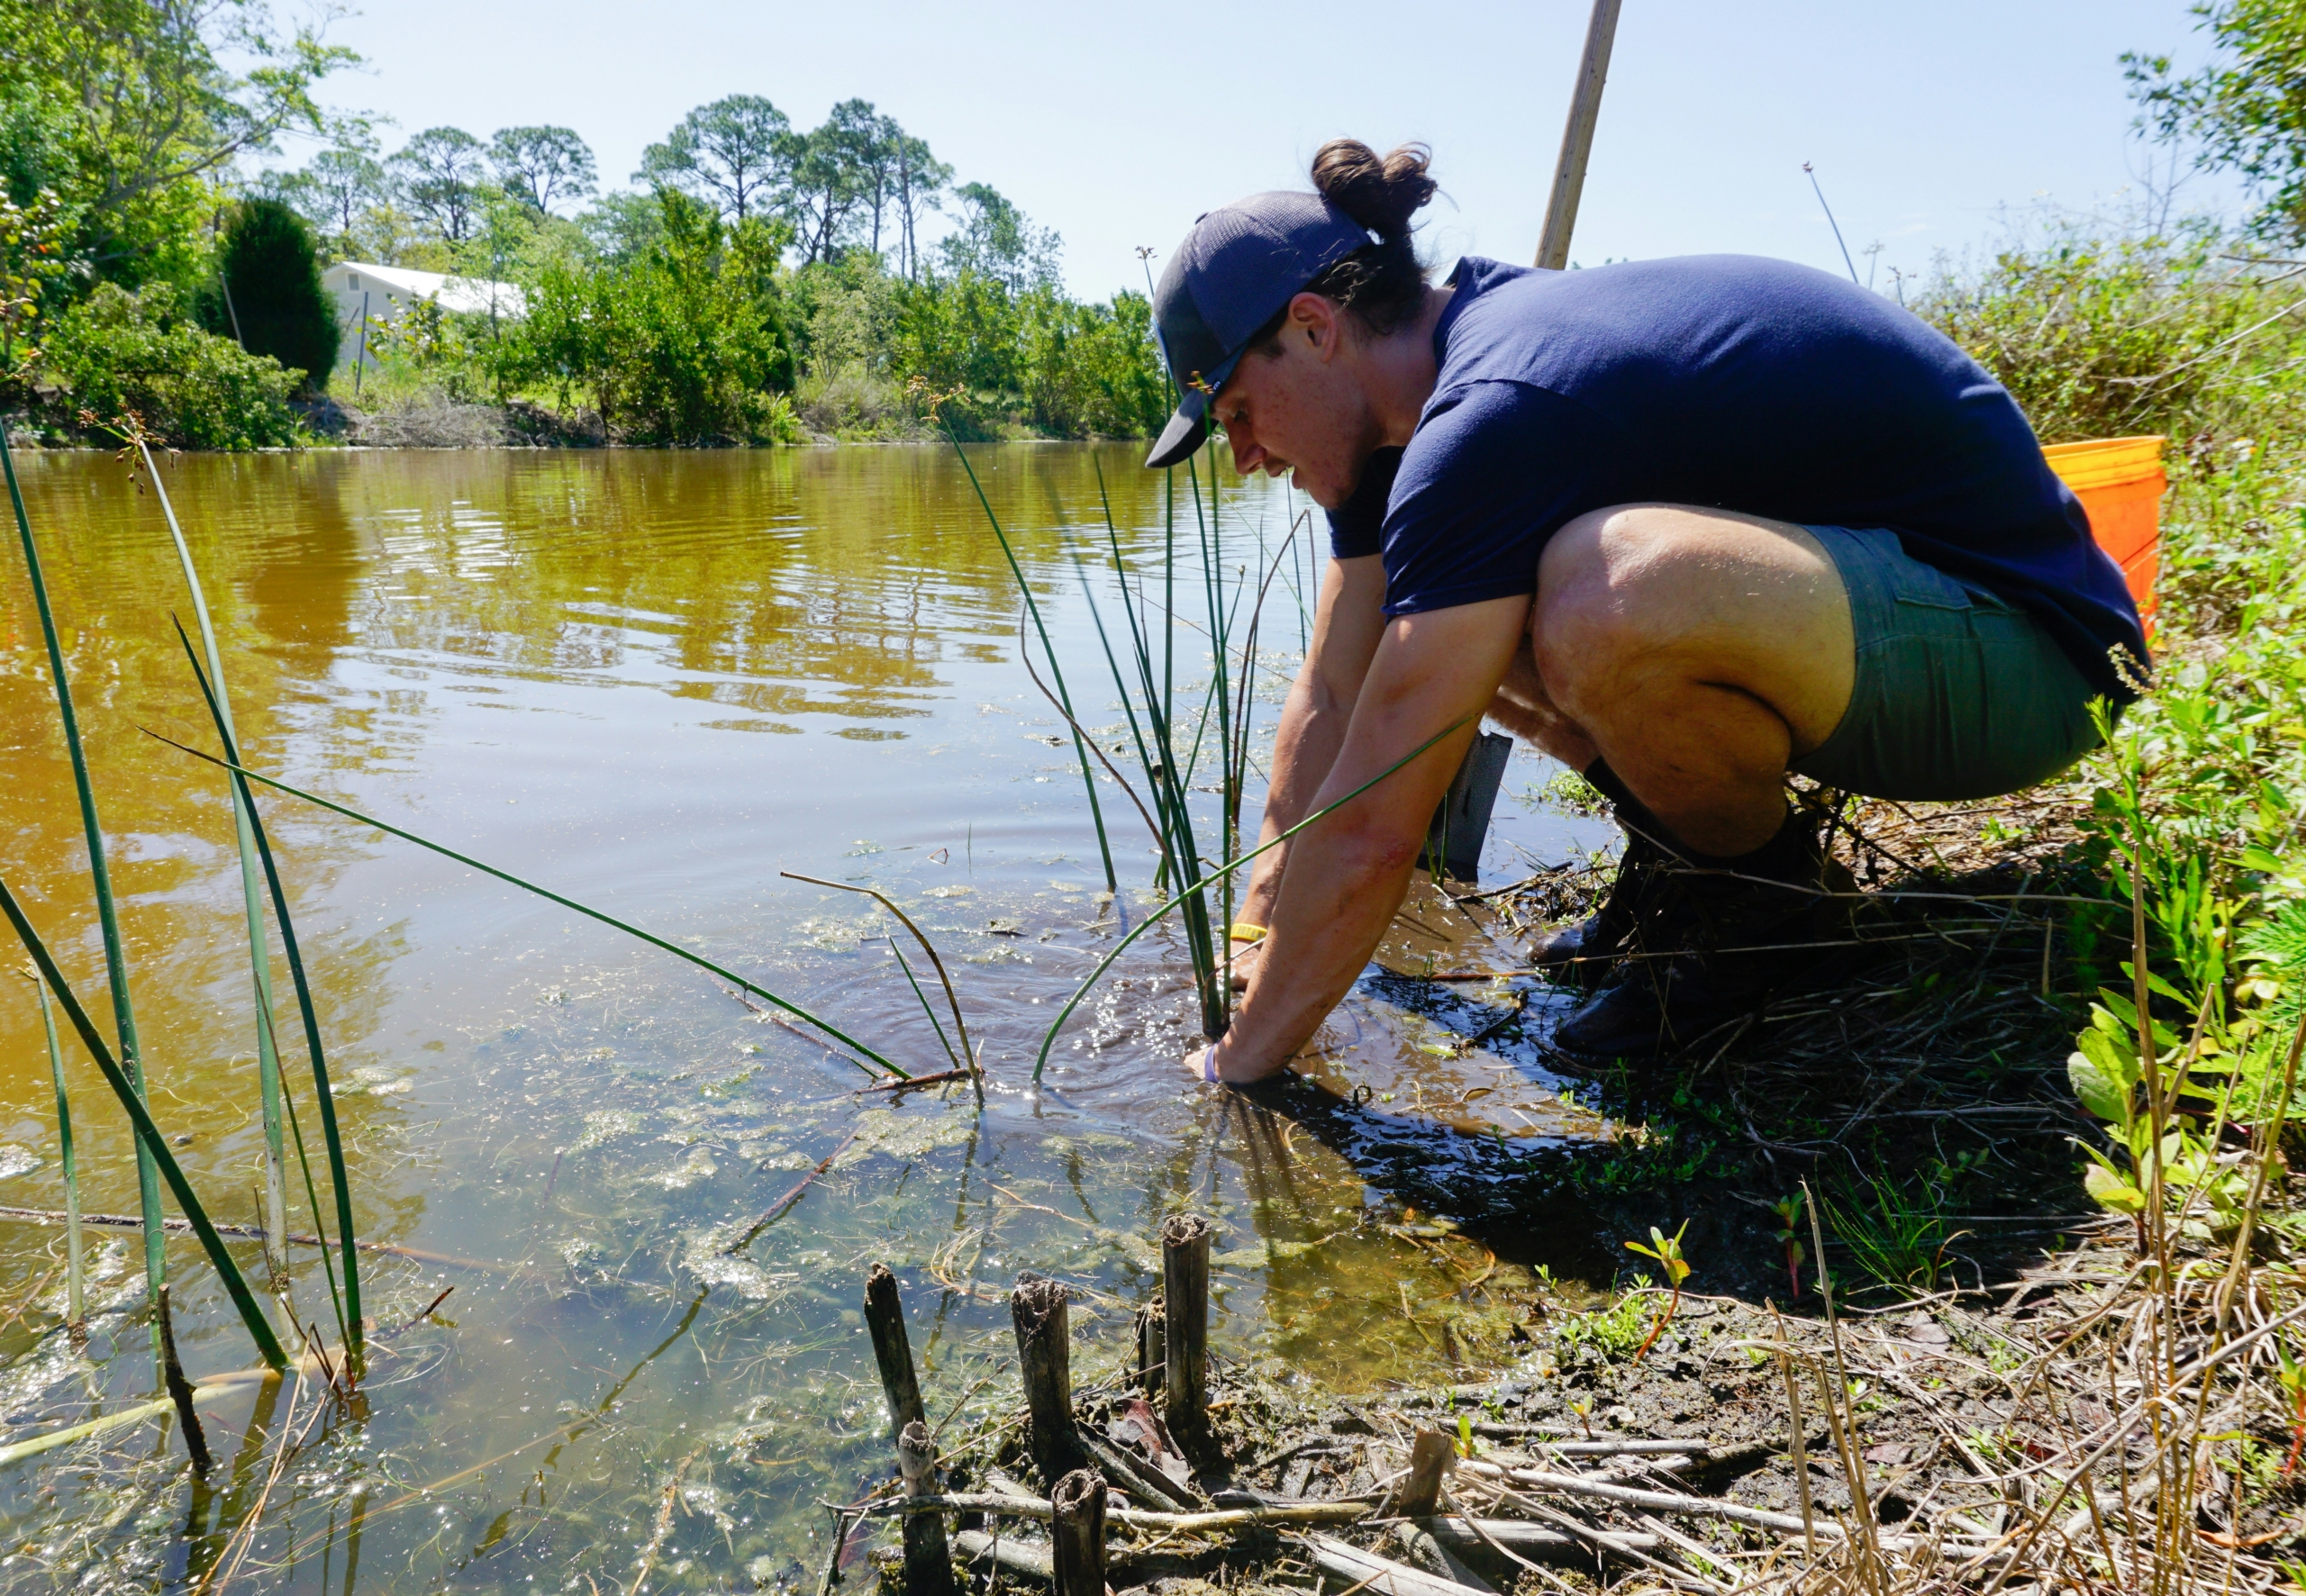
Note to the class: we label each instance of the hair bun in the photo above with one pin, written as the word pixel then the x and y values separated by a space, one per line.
pixel 1382 193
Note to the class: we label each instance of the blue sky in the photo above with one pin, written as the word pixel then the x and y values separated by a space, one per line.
pixel 1929 125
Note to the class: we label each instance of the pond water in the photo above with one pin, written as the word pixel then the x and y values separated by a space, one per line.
pixel 653 682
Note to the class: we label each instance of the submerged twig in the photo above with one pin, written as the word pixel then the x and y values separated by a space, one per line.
pixel 770 1214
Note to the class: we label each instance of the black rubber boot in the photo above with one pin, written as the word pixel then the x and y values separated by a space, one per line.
pixel 1587 948
pixel 1715 938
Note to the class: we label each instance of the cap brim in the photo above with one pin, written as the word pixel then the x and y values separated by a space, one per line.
pixel 1184 433
pixel 1188 426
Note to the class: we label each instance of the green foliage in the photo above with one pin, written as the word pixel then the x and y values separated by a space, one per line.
pixel 2102 339
pixel 2196 794
pixel 1893 1230
pixel 31 260
pixel 2245 111
pixel 125 109
pixel 1061 366
pixel 120 354
pixel 686 344
pixel 278 306
pixel 1610 1333
pixel 540 165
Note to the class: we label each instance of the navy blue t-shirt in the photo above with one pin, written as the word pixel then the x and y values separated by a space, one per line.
pixel 1733 382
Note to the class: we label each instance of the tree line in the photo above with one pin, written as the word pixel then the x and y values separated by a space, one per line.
pixel 754 281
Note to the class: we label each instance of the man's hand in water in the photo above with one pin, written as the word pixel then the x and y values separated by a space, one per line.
pixel 1208 1064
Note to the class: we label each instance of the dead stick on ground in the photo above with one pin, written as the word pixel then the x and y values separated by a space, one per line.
pixel 1431 1455
pixel 1800 1446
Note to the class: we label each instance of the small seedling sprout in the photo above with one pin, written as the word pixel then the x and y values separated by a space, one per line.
pixel 1668 1250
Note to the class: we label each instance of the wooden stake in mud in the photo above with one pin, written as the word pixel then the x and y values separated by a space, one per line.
pixel 1077 1533
pixel 892 1348
pixel 928 1561
pixel 196 1440
pixel 1431 1455
pixel 1185 1299
pixel 1152 1347
pixel 1577 136
pixel 1045 1355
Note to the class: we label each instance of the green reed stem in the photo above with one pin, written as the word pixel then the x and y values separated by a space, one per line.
pixel 586 909
pixel 148 1136
pixel 927 947
pixel 267 1057
pixel 348 1308
pixel 346 1336
pixel 1048 650
pixel 921 997
pixel 123 1013
pixel 1122 947
pixel 76 1265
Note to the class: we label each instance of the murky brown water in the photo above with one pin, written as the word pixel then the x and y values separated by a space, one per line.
pixel 653 682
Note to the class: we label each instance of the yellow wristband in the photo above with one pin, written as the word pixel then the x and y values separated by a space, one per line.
pixel 1243 931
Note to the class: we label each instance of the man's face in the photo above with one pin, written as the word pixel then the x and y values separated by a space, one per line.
pixel 1301 411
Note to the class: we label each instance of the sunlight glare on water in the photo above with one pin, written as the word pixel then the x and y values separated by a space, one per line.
pixel 652 682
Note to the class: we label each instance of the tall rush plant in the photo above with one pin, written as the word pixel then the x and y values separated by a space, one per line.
pixel 348 1303
pixel 268 1055
pixel 132 1055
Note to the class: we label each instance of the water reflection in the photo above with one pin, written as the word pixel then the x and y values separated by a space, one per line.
pixel 654 681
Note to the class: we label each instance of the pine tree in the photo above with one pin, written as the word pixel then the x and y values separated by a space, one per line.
pixel 277 304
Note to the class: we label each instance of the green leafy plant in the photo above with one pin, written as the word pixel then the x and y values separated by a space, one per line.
pixel 1894 1229
pixel 117 354
pixel 1667 1251
pixel 1610 1333
pixel 1788 1211
pixel 2293 1386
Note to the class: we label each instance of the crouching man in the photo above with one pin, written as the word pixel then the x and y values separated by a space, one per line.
pixel 1686 525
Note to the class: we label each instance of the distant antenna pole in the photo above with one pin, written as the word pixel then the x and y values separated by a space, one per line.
pixel 361 358
pixel 1577 136
pixel 1828 210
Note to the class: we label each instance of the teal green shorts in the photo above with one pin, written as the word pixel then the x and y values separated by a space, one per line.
pixel 1959 695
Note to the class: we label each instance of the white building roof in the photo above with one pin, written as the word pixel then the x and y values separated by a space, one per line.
pixel 472 294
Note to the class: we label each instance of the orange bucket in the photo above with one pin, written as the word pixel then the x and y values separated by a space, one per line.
pixel 2119 481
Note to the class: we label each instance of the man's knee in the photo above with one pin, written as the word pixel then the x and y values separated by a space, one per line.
pixel 1597 581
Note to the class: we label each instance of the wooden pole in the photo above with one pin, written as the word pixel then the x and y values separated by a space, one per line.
pixel 1152 1346
pixel 1185 1302
pixel 1577 136
pixel 1077 1534
pixel 892 1348
pixel 928 1561
pixel 1045 1355
pixel 1430 1457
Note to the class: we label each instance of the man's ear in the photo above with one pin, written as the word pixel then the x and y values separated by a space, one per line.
pixel 1317 322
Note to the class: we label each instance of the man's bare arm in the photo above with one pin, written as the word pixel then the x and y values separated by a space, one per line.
pixel 1347 872
pixel 1348 620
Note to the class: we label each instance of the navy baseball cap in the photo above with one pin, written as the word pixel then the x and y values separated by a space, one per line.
pixel 1237 267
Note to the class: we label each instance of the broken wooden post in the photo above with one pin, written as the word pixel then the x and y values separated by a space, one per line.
pixel 1185 1299
pixel 892 1349
pixel 1152 1350
pixel 928 1562
pixel 1077 1533
pixel 1045 1355
pixel 1431 1455
pixel 196 1440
